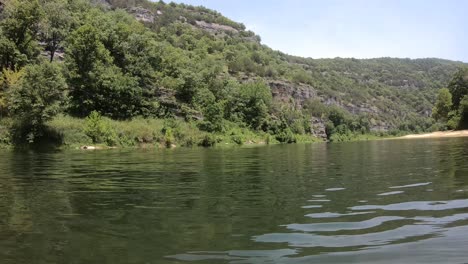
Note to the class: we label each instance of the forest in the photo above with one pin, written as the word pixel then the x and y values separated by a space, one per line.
pixel 139 73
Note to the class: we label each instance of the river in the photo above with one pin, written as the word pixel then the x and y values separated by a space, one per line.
pixel 390 201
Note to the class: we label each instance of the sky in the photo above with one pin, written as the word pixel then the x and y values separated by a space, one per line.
pixel 354 28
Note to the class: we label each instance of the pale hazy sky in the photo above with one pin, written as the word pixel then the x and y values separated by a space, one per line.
pixel 355 28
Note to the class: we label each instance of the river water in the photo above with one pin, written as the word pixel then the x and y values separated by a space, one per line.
pixel 392 201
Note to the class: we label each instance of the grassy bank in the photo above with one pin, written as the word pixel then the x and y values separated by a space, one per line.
pixel 65 132
pixel 70 133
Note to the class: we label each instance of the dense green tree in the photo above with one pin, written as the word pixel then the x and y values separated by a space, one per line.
pixel 458 86
pixel 55 25
pixel 252 103
pixel 443 105
pixel 9 79
pixel 37 97
pixel 86 57
pixel 213 115
pixel 463 112
pixel 21 25
pixel 10 57
pixel 85 53
pixel 142 58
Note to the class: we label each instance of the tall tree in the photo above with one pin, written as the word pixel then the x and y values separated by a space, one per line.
pixel 37 97
pixel 463 112
pixel 96 83
pixel 21 25
pixel 443 105
pixel 458 86
pixel 56 25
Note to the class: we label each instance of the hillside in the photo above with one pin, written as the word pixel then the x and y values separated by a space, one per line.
pixel 139 59
pixel 396 93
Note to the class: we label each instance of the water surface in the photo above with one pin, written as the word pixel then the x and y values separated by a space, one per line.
pixel 398 201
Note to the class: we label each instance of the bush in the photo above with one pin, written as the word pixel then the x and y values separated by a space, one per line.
pixel 208 141
pixel 36 98
pixel 168 138
pixel 286 136
pixel 238 139
pixel 5 136
pixel 99 130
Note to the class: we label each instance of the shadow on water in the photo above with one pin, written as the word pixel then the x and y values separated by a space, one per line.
pixel 365 202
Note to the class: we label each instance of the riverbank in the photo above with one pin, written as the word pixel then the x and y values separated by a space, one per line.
pixel 65 132
pixel 438 134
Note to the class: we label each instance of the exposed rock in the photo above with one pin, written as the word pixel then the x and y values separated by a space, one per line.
pixel 168 100
pixel 352 108
pixel 380 128
pixel 253 38
pixel 59 54
pixel 318 128
pixel 214 28
pixel 141 14
pixel 183 19
pixel 285 91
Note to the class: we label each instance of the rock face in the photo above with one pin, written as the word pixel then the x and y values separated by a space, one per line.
pixel 142 14
pixel 318 128
pixel 285 91
pixel 215 29
pixel 298 94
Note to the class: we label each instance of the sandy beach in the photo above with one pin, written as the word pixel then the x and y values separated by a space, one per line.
pixel 442 134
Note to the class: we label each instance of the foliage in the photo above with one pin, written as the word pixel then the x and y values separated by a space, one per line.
pixel 463 112
pixel 99 129
pixel 55 26
pixel 37 97
pixel 219 81
pixel 452 104
pixel 168 138
pixel 208 140
pixel 9 78
pixel 458 86
pixel 443 105
pixel 20 27
pixel 286 136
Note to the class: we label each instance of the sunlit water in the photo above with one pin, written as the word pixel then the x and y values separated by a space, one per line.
pixel 396 201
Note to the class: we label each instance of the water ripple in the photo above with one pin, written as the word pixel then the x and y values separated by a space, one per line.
pixel 411 185
pixel 416 206
pixel 338 226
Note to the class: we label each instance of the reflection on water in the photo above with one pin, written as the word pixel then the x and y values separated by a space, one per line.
pixel 367 202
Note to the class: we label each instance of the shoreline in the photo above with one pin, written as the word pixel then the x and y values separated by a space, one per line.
pixel 438 134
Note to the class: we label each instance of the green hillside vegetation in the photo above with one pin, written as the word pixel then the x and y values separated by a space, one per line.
pixel 130 73
pixel 451 108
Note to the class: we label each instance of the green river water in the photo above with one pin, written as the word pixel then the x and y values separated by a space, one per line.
pixel 391 201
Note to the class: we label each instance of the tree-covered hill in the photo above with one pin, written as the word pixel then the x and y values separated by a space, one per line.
pixel 135 59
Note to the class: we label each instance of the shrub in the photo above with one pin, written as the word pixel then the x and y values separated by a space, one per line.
pixel 286 136
pixel 5 137
pixel 208 140
pixel 168 138
pixel 238 139
pixel 99 130
pixel 36 98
